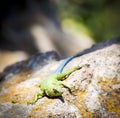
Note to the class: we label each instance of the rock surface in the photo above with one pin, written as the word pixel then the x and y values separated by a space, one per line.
pixel 96 89
pixel 37 61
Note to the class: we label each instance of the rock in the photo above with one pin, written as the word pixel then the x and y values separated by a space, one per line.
pixel 37 61
pixel 96 89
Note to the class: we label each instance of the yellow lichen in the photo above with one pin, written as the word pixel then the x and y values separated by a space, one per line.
pixel 80 104
pixel 110 101
pixel 18 95
pixel 39 109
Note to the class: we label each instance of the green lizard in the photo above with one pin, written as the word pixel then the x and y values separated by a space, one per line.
pixel 52 85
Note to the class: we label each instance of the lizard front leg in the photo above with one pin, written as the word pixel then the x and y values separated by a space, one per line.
pixel 38 94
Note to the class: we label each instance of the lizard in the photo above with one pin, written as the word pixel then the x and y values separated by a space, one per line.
pixel 52 85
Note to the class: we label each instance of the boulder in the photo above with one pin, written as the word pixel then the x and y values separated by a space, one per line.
pixel 96 92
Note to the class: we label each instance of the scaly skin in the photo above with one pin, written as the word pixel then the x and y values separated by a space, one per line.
pixel 52 85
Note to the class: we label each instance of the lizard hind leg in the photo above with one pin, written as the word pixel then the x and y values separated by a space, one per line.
pixel 69 87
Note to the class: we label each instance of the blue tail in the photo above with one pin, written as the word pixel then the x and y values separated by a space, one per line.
pixel 62 65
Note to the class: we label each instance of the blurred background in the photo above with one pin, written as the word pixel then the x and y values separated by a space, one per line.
pixel 28 27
